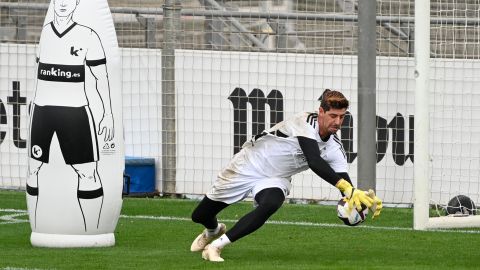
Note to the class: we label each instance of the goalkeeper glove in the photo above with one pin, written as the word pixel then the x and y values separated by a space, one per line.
pixel 377 203
pixel 355 197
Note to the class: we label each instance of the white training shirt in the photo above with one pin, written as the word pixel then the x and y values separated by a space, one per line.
pixel 61 64
pixel 273 156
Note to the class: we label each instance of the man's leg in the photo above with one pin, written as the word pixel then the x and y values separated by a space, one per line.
pixel 269 201
pixel 41 133
pixel 206 214
pixel 32 189
pixel 89 194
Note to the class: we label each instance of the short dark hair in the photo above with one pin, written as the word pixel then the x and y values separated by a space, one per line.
pixel 333 99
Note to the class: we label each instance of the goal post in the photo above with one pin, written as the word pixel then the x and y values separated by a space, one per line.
pixel 422 120
pixel 446 143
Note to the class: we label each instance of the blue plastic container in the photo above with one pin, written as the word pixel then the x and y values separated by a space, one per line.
pixel 141 172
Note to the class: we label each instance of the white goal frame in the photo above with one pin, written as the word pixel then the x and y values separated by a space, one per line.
pixel 422 164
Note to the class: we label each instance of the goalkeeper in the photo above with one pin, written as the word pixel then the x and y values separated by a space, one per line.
pixel 264 168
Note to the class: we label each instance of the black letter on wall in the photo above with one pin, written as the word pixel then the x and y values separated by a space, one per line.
pixel 3 120
pixel 411 137
pixel 239 100
pixel 257 100
pixel 382 138
pixel 398 139
pixel 17 101
pixel 347 137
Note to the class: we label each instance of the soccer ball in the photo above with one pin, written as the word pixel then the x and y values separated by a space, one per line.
pixel 461 205
pixel 351 217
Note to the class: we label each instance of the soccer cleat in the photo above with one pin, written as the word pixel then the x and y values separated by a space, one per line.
pixel 211 253
pixel 203 240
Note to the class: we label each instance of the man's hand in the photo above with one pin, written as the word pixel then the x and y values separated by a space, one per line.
pixel 106 125
pixel 377 203
pixel 355 197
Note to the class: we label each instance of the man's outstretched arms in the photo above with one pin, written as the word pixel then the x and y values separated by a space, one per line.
pixel 316 163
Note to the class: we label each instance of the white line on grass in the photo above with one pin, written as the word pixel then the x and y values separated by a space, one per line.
pixel 12 218
pixel 9 219
pixel 19 268
pixel 301 223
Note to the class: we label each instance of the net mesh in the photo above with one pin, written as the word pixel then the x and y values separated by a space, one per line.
pixel 238 71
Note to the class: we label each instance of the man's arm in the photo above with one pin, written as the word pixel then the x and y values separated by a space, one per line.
pixel 356 197
pixel 315 162
pixel 103 89
pixel 345 176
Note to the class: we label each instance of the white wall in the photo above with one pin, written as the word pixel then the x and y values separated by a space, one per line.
pixel 204 81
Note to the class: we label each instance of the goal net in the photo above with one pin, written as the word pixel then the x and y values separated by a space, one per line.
pixel 242 65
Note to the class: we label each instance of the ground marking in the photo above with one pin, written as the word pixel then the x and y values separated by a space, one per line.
pixel 19 268
pixel 13 215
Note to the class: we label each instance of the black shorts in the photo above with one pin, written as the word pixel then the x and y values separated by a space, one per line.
pixel 75 131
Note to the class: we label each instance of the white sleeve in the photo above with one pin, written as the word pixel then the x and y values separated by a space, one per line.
pixel 298 126
pixel 95 50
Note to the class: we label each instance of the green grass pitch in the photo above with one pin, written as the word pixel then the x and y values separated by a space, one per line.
pixel 157 233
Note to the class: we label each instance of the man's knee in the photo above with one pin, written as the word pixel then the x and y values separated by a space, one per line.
pixel 270 200
pixel 269 207
pixel 197 216
pixel 206 211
